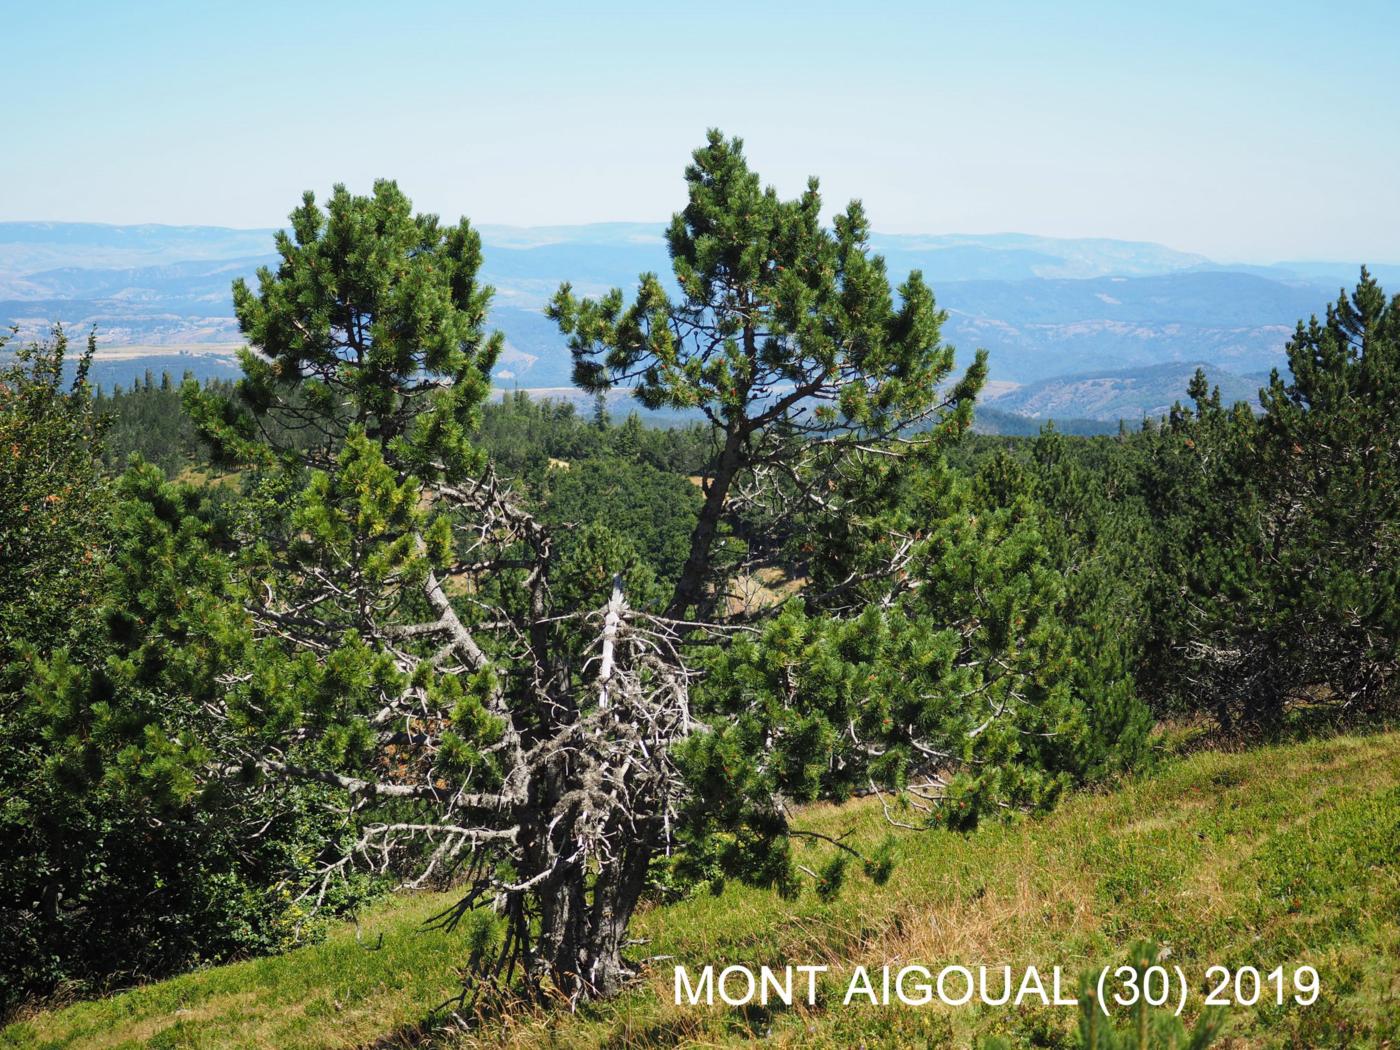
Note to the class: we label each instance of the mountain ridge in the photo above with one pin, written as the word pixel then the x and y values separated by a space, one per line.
pixel 1128 394
pixel 1044 307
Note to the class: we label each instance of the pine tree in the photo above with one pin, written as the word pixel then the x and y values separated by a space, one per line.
pixel 627 440
pixel 1290 553
pixel 1329 447
pixel 786 335
pixel 409 647
pixel 51 500
pixel 115 626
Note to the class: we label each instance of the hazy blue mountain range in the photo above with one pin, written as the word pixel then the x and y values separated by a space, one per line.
pixel 1039 328
pixel 1086 327
pixel 27 247
pixel 1126 394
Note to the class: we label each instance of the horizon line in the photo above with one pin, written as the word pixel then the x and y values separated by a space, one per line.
pixel 661 224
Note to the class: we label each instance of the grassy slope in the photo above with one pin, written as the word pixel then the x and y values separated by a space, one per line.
pixel 1281 855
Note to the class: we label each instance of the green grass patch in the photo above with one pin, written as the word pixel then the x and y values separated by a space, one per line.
pixel 1279 856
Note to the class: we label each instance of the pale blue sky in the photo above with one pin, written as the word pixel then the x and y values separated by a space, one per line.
pixel 1244 131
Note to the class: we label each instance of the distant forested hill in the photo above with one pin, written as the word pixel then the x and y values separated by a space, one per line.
pixel 1125 394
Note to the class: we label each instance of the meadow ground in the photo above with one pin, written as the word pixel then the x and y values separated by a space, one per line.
pixel 1284 855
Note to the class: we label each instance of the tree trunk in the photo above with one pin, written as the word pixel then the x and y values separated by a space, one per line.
pixel 691 584
pixel 583 913
pixel 569 929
